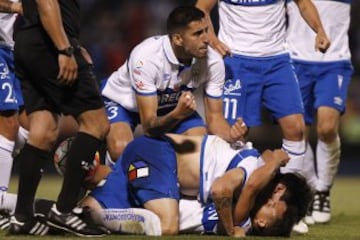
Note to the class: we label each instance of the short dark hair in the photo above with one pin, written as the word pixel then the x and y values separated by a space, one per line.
pixel 297 197
pixel 180 17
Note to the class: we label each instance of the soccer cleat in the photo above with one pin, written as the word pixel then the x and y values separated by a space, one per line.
pixel 308 219
pixel 4 220
pixel 74 222
pixel 32 227
pixel 300 228
pixel 321 207
pixel 130 221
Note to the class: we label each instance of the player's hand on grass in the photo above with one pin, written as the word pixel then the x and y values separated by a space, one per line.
pixel 238 232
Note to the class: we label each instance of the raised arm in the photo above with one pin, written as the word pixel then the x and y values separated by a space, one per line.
pixel 257 181
pixel 206 6
pixel 310 14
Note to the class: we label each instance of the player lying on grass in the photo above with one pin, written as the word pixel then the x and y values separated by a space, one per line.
pixel 281 202
pixel 151 170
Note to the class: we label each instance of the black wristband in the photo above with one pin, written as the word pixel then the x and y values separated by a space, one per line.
pixel 69 51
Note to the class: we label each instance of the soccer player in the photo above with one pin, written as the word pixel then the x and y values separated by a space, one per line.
pixel 155 85
pixel 324 80
pixel 11 103
pixel 152 170
pixel 56 78
pixel 258 69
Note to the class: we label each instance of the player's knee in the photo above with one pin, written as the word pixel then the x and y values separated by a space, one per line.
pixel 116 147
pixel 327 132
pixel 98 128
pixel 170 228
pixel 43 139
pixel 293 127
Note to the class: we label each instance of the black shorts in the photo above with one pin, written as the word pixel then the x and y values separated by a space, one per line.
pixel 36 63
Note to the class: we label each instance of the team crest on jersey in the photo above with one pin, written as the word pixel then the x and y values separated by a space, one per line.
pixel 231 88
pixel 139 84
pixel 138 169
pixel 138 66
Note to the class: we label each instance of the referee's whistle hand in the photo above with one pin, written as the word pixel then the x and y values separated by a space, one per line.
pixel 67 69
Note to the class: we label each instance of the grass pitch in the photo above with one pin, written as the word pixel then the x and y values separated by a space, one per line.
pixel 345 224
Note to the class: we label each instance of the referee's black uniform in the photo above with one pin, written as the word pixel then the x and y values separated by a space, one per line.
pixel 39 64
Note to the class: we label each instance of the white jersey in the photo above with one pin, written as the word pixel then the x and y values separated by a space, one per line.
pixel 335 17
pixel 7 21
pixel 217 158
pixel 153 69
pixel 255 28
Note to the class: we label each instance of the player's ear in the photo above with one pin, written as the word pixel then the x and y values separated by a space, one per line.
pixel 177 39
pixel 279 187
pixel 260 222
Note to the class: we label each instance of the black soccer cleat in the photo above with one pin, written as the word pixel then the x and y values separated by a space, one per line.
pixel 74 222
pixel 32 227
pixel 4 220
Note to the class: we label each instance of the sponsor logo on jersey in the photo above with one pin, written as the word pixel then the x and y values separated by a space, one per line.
pixel 232 89
pixel 138 169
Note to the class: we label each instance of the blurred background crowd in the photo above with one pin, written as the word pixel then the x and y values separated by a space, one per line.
pixel 111 28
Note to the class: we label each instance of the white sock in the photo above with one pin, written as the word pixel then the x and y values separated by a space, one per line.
pixel 328 159
pixel 309 167
pixel 6 161
pixel 128 221
pixel 296 151
pixel 21 139
pixel 8 201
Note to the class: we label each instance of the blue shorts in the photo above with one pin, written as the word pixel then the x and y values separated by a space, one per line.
pixel 117 113
pixel 10 90
pixel 323 84
pixel 253 82
pixel 113 193
pixel 151 169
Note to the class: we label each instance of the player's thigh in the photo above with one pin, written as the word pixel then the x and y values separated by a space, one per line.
pixel 168 211
pixel 119 136
pixel 281 94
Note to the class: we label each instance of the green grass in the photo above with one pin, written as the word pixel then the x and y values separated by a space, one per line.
pixel 345 224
